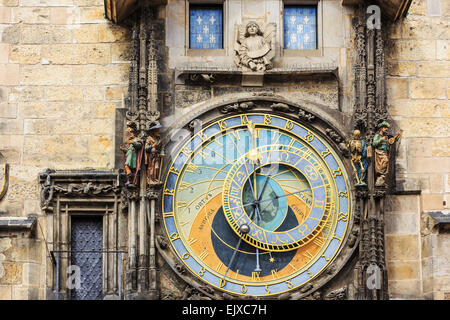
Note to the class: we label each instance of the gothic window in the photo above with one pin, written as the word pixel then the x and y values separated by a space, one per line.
pixel 300 27
pixel 206 27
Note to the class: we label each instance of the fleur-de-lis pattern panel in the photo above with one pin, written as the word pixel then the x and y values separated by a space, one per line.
pixel 300 27
pixel 87 235
pixel 205 27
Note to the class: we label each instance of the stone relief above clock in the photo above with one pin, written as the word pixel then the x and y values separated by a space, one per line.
pixel 255 47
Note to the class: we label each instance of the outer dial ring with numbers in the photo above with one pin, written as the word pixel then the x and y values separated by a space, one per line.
pixel 194 210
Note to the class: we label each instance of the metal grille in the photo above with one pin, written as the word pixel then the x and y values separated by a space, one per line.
pixel 87 235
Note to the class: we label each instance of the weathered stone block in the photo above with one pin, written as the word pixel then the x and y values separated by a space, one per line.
pixel 9 74
pixel 433 201
pixel 430 165
pixel 65 15
pixel 433 69
pixel 32 93
pixel 396 88
pixel 403 69
pixel 45 3
pixel 100 144
pixel 417 7
pixel 31 274
pixel 25 293
pixel 5 293
pixel 115 93
pixel 120 52
pixel 5 15
pixel 403 223
pixel 12 273
pixel 10 126
pixel 412 50
pixel 88 3
pixel 425 127
pixel 424 108
pixel 105 110
pixel 402 247
pixel 441 147
pixel 4 52
pixel 423 27
pixel 112 33
pixel 443 49
pixel 68 93
pixel 92 14
pixel 9 3
pixel 93 93
pixel 420 147
pixel 99 54
pixel 86 33
pixel 46 75
pixel 35 34
pixel 31 15
pixel 65 53
pixel 405 289
pixel 400 270
pixel 25 54
pixel 8 110
pixel 429 88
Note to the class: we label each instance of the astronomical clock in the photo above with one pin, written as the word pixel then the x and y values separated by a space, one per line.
pixel 256 203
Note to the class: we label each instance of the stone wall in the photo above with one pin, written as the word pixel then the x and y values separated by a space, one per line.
pixel 63 72
pixel 418 62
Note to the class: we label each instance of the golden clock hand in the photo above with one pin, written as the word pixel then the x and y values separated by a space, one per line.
pixel 244 229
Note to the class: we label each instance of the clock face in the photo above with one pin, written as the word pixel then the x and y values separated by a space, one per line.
pixel 256 204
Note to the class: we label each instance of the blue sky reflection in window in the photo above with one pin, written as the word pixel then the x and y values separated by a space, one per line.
pixel 300 27
pixel 205 27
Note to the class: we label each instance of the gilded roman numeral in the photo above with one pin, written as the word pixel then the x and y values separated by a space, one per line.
pixel 236 135
pixel 168 214
pixel 319 241
pixel 219 266
pixel 203 255
pixel 308 255
pixel 184 186
pixel 274 274
pixel 181 204
pixel 255 276
pixel 191 241
pixel 191 168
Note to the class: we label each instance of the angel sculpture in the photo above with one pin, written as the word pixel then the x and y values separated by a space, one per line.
pixel 255 49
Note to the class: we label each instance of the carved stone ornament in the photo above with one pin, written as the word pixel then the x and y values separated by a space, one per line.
pixel 254 47
pixel 3 179
pixel 237 107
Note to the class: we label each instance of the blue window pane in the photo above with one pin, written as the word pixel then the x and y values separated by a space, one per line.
pixel 205 27
pixel 300 27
